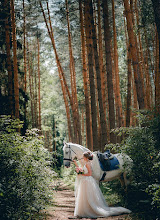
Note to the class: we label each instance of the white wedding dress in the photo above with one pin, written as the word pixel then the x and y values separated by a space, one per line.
pixel 89 200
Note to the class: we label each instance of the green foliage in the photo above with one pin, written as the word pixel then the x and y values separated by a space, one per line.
pixel 110 194
pixel 25 172
pixel 142 145
pixel 69 175
pixel 154 191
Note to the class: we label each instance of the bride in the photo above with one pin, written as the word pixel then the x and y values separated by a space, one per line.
pixel 89 198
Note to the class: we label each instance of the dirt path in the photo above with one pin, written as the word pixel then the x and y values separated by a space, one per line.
pixel 64 206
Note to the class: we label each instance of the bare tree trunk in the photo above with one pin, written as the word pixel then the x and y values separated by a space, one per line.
pixel 143 62
pixel 35 98
pixel 15 65
pixel 73 82
pixel 25 64
pixel 156 6
pixel 70 133
pixel 157 76
pixel 103 125
pixel 134 53
pixel 9 64
pixel 128 107
pixel 107 38
pixel 85 79
pixel 30 85
pixel 103 77
pixel 120 122
pixel 135 103
pixel 89 43
pixel 39 87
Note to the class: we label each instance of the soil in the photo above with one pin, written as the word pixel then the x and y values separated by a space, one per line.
pixel 63 207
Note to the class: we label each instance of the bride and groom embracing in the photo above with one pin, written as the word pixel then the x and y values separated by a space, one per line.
pixel 89 200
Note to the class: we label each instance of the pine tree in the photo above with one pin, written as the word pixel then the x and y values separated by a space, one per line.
pixel 15 65
pixel 89 44
pixel 107 39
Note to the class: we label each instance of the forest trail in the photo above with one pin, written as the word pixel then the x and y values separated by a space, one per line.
pixel 63 208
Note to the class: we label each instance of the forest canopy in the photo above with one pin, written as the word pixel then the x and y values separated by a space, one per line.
pixel 83 67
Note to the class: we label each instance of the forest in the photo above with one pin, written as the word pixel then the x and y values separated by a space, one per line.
pixel 80 71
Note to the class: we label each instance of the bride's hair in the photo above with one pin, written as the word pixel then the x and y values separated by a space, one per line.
pixel 88 155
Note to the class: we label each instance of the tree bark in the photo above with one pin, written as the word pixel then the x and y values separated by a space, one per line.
pixel 9 63
pixel 25 66
pixel 85 79
pixel 134 53
pixel 70 133
pixel 144 61
pixel 139 57
pixel 128 107
pixel 15 65
pixel 107 39
pixel 39 87
pixel 30 85
pixel 89 43
pixel 73 82
pixel 35 97
pixel 120 121
pixel 103 125
pixel 156 7
pixel 103 77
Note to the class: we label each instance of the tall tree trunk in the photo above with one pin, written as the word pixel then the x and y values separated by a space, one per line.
pixel 102 69
pixel 30 85
pixel 103 125
pixel 54 137
pixel 156 6
pixel 139 57
pixel 135 103
pixel 131 100
pixel 103 77
pixel 85 79
pixel 144 62
pixel 25 65
pixel 35 98
pixel 149 95
pixel 107 39
pixel 39 87
pixel 15 65
pixel 117 83
pixel 9 63
pixel 72 73
pixel 70 133
pixel 32 89
pixel 128 107
pixel 89 43
pixel 24 47
pixel 157 75
pixel 73 83
pixel 134 53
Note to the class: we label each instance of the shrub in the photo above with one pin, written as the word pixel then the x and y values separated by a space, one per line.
pixel 69 175
pixel 142 144
pixel 25 172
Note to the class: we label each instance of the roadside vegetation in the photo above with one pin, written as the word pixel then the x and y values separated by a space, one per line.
pixel 25 170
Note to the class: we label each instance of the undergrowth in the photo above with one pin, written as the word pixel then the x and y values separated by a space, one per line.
pixel 25 171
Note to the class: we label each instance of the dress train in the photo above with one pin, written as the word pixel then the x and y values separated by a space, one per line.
pixel 89 200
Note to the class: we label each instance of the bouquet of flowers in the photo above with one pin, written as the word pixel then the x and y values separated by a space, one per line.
pixel 79 170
